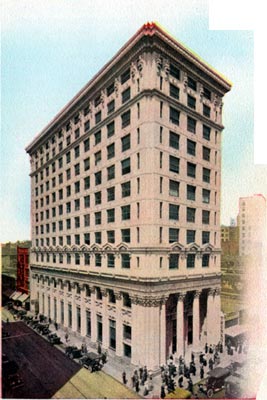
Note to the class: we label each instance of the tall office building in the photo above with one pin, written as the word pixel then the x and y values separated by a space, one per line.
pixel 252 221
pixel 126 204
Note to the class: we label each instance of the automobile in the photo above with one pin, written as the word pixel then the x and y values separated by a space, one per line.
pixel 73 352
pixel 91 361
pixel 54 338
pixel 215 381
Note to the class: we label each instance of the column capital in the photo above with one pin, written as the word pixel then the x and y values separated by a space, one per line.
pixel 181 296
pixel 118 295
pixel 197 294
pixel 211 291
pixel 217 291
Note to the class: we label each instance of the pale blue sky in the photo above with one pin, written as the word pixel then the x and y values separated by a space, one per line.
pixel 50 49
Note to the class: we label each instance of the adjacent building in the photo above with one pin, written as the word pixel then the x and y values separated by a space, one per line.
pixel 125 204
pixel 252 225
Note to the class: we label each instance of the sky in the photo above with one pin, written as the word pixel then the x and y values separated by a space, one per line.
pixel 51 49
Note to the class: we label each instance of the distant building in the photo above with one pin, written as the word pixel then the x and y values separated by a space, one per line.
pixel 230 240
pixel 23 269
pixel 252 225
pixel 126 204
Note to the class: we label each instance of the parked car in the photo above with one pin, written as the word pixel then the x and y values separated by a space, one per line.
pixel 91 361
pixel 73 352
pixel 215 381
pixel 54 338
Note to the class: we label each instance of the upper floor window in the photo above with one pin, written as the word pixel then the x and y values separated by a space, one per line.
pixel 126 189
pixel 174 91
pixel 206 110
pixel 173 235
pixel 111 106
pixel 111 151
pixel 97 137
pixel 191 147
pixel 110 129
pixel 110 89
pixel 205 196
pixel 206 153
pixel 174 164
pixel 190 260
pixel 125 76
pixel 174 116
pixel 173 188
pixel 192 84
pixel 98 117
pixel 126 143
pixel 126 119
pixel 126 166
pixel 174 71
pixel 206 132
pixel 206 175
pixel 126 95
pixel 191 170
pixel 206 93
pixel 174 140
pixel 191 101
pixel 191 124
pixel 173 261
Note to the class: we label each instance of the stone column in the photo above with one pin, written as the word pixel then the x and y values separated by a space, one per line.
pixel 105 322
pixel 196 322
pixel 66 313
pixel 73 305
pixel 83 312
pixel 163 331
pixel 217 312
pixel 58 308
pixel 180 324
pixel 119 332
pixel 211 317
pixel 93 315
pixel 41 304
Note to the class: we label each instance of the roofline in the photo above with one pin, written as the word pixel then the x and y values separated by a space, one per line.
pixel 148 29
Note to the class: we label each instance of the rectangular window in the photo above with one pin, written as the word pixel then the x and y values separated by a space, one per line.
pixel 206 132
pixel 206 175
pixel 98 237
pixel 86 183
pixel 98 260
pixel 173 212
pixel 111 106
pixel 86 145
pixel 110 129
pixel 126 166
pixel 111 172
pixel 205 216
pixel 98 157
pixel 111 151
pixel 111 193
pixel 191 170
pixel 191 192
pixel 190 214
pixel 174 71
pixel 174 164
pixel 174 116
pixel 205 196
pixel 191 101
pixel 173 261
pixel 77 169
pixel 98 218
pixel 112 334
pixel 86 201
pixel 86 238
pixel 110 89
pixel 190 260
pixel 126 95
pixel 111 236
pixel 111 215
pixel 206 93
pixel 174 140
pixel 98 117
pixel 205 260
pixel 97 137
pixel 86 220
pixel 98 198
pixel 191 147
pixel 77 151
pixel 174 91
pixel 190 236
pixel 86 126
pixel 173 235
pixel 126 143
pixel 88 323
pixel 98 178
pixel 125 212
pixel 191 124
pixel 173 188
pixel 125 235
pixel 77 187
pixel 111 261
pixel 206 110
pixel 126 189
pixel 126 119
pixel 205 237
pixel 125 261
pixel 125 76
pixel 206 153
pixel 192 84
pixel 77 222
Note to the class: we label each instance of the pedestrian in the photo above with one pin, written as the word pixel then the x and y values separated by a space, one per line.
pixel 221 347
pixel 190 386
pixel 210 349
pixel 206 348
pixel 55 326
pixel 124 379
pixel 211 364
pixel 201 372
pixel 133 381
pixel 192 357
pixel 140 372
pixel 66 337
pixel 162 392
pixel 104 357
pixel 137 385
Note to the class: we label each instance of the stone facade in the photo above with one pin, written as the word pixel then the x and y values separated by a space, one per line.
pixel 126 204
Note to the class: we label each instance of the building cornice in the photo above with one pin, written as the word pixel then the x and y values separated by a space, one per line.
pixel 150 31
